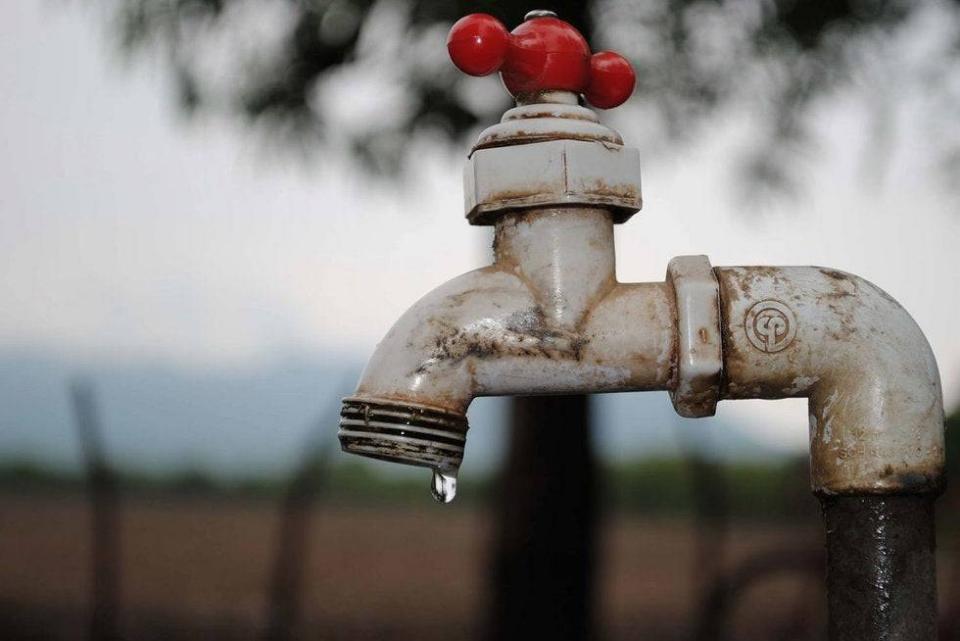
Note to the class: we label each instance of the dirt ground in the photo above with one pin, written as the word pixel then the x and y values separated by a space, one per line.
pixel 199 569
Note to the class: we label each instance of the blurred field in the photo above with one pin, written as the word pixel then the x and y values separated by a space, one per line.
pixel 198 568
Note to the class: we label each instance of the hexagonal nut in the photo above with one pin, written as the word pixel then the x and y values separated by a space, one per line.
pixel 555 172
pixel 700 357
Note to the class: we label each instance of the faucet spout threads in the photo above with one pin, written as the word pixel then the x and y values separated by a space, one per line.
pixel 403 433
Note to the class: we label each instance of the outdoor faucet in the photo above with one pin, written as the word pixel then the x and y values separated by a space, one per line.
pixel 549 317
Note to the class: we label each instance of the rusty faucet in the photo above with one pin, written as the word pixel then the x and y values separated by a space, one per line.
pixel 549 317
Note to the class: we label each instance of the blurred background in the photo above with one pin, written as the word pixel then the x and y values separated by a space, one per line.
pixel 211 211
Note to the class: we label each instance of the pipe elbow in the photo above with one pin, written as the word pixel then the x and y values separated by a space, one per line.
pixel 875 402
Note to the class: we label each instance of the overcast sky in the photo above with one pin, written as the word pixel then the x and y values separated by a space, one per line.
pixel 129 234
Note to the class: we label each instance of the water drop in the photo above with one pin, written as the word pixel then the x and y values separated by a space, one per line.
pixel 444 486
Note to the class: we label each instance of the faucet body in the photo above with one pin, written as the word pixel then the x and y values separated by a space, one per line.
pixel 549 317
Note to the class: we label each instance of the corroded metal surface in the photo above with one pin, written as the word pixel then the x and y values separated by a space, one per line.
pixel 549 173
pixel 881 578
pixel 699 355
pixel 876 409
pixel 550 153
pixel 403 433
pixel 546 121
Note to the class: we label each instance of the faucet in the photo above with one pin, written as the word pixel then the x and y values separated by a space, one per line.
pixel 548 316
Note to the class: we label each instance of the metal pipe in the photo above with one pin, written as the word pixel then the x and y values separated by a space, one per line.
pixel 881 578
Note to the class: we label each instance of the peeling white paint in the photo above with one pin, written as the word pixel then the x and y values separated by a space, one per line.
pixel 800 384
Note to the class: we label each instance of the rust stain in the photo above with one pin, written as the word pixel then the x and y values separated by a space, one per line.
pixel 545 110
pixel 524 333
pixel 529 191
pixel 628 192
pixel 456 300
pixel 526 138
pixel 835 274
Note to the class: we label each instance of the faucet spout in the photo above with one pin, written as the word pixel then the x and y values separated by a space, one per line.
pixel 548 317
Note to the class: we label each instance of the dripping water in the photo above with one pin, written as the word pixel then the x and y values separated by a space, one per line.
pixel 444 485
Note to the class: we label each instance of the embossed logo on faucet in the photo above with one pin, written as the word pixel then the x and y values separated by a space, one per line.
pixel 771 326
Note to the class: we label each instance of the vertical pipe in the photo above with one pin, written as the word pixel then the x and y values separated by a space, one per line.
pixel 881 577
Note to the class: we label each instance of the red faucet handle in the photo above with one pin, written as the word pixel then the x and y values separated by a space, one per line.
pixel 611 80
pixel 478 44
pixel 543 53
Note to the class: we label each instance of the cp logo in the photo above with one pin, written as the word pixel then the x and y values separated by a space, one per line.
pixel 770 326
